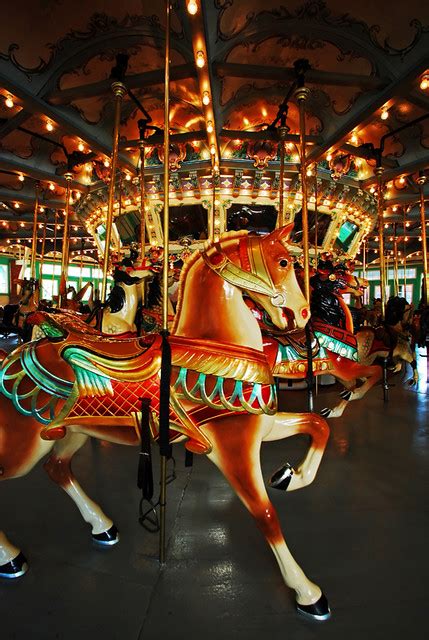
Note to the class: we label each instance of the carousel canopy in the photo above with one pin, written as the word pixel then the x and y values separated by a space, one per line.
pixel 233 64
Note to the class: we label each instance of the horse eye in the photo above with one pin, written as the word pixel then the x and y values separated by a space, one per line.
pixel 283 263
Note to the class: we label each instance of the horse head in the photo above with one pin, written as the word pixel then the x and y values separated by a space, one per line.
pixel 264 270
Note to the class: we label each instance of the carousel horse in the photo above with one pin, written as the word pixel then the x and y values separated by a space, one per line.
pixel 335 349
pixel 78 383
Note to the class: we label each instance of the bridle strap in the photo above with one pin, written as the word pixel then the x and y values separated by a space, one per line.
pixel 250 280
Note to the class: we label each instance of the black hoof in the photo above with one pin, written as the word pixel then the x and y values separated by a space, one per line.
pixel 15 568
pixel 325 413
pixel 346 394
pixel 318 611
pixel 107 538
pixel 282 477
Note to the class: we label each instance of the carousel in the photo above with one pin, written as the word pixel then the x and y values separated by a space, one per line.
pixel 213 234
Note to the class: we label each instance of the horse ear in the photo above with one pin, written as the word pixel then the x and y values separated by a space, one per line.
pixel 281 234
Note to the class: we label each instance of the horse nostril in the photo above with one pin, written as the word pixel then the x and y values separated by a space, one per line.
pixel 304 313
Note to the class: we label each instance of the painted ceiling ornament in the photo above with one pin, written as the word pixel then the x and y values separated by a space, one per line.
pixel 176 156
pixel 262 151
pixel 339 165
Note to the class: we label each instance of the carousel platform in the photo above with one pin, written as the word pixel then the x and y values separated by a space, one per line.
pixel 360 531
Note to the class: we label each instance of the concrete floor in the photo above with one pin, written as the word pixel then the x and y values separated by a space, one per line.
pixel 360 531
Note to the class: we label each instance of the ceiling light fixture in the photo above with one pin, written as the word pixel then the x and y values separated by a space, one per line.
pixel 424 83
pixel 192 7
pixel 200 59
pixel 384 114
pixel 9 102
pixel 206 98
pixel 49 126
pixel 209 126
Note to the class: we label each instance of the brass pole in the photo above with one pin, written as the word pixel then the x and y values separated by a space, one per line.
pixel 404 261
pixel 422 180
pixel 364 269
pixel 66 245
pixel 395 265
pixel 142 203
pixel 42 255
pixel 380 202
pixel 302 94
pixel 34 239
pixel 118 246
pixel 119 91
pixel 282 134
pixel 213 207
pixel 54 251
pixel 163 472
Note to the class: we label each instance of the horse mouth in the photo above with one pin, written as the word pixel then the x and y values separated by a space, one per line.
pixel 289 317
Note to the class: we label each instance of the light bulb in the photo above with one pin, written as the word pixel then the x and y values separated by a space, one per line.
pixel 49 126
pixel 424 84
pixel 106 163
pixel 200 59
pixel 212 149
pixel 192 7
pixel 206 98
pixel 16 205
pixel 81 146
pixel 384 114
pixel 9 102
pixel 52 186
pixel 209 126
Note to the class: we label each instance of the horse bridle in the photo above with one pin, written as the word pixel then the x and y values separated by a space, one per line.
pixel 251 275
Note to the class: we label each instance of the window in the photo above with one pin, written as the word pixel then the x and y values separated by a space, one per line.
pixel 4 278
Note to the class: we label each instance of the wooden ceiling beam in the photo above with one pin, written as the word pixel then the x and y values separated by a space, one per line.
pixel 135 81
pixel 158 138
pixel 364 108
pixel 8 163
pixel 313 76
pixel 70 121
pixel 400 170
pixel 264 135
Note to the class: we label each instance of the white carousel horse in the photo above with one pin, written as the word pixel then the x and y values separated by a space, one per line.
pixel 222 393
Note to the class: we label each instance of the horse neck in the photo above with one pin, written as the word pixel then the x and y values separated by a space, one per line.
pixel 129 309
pixel 212 309
pixel 347 313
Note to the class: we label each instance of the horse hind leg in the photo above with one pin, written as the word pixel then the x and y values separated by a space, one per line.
pixel 58 468
pixel 236 451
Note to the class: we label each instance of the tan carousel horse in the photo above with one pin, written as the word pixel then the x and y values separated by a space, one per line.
pixel 56 392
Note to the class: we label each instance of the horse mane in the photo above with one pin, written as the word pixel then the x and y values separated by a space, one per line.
pixel 189 262
pixel 116 299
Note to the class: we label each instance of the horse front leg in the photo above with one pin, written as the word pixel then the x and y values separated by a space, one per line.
pixel 58 468
pixel 286 425
pixel 236 452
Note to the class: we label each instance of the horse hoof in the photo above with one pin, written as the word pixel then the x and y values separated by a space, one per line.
pixel 325 413
pixel 318 611
pixel 14 568
pixel 346 394
pixel 282 477
pixel 107 538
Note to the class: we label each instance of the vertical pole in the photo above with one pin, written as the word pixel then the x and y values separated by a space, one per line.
pixel 119 91
pixel 422 180
pixel 301 95
pixel 364 257
pixel 282 133
pixel 380 202
pixel 42 256
pixel 54 251
pixel 213 207
pixel 66 245
pixel 165 373
pixel 404 261
pixel 142 202
pixel 395 265
pixel 34 239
